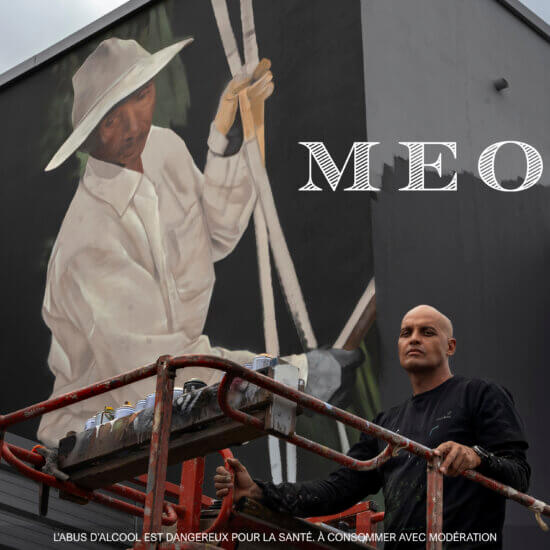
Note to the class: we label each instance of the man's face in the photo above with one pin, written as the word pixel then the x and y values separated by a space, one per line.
pixel 121 135
pixel 425 340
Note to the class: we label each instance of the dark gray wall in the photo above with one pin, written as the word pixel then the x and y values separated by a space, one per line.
pixel 429 72
pixel 481 256
pixel 22 528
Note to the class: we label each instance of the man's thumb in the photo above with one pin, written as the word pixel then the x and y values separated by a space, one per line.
pixel 235 464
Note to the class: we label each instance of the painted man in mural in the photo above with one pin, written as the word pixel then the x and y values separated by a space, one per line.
pixel 131 274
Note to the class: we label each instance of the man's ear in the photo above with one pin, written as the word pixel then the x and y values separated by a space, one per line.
pixel 451 346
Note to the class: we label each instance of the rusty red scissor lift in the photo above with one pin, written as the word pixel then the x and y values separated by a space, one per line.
pixel 185 515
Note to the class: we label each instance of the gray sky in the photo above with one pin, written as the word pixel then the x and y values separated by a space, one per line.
pixel 540 7
pixel 29 26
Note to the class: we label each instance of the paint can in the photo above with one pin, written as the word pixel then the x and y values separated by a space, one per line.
pixel 125 410
pixel 263 361
pixel 106 415
pixel 150 401
pixel 90 423
pixel 193 384
pixel 140 405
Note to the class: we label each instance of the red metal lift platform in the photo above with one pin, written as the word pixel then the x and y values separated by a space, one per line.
pixel 101 463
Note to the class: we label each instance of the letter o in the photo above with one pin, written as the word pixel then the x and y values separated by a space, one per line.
pixel 486 166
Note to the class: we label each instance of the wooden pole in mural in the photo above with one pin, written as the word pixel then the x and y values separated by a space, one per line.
pixel 361 329
pixel 360 321
pixel 352 335
pixel 258 111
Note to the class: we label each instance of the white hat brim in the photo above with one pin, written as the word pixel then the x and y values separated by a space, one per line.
pixel 138 75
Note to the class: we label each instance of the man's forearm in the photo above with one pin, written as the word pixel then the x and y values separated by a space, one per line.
pixel 342 489
pixel 310 498
pixel 296 499
pixel 508 467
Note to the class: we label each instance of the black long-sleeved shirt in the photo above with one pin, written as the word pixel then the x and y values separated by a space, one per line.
pixel 467 411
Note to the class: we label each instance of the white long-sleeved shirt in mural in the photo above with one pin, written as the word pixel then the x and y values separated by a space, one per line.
pixel 131 273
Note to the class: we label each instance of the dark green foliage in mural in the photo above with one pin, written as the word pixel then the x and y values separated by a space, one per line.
pixel 365 403
pixel 153 30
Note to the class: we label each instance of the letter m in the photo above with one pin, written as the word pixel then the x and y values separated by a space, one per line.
pixel 361 154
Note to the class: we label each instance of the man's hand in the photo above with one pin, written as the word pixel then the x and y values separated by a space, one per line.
pixel 261 88
pixel 252 99
pixel 229 102
pixel 242 484
pixel 257 88
pixel 457 458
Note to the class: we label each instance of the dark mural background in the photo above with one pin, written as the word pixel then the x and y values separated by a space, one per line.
pixel 315 49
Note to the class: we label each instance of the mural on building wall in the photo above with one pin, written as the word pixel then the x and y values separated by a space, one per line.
pixel 131 273
pixel 132 268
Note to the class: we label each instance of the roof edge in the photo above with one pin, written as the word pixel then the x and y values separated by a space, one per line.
pixel 529 17
pixel 71 40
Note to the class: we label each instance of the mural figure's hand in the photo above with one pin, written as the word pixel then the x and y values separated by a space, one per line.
pixel 241 482
pixel 261 88
pixel 252 101
pixel 229 101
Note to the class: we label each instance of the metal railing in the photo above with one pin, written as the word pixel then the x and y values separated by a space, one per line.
pixel 156 511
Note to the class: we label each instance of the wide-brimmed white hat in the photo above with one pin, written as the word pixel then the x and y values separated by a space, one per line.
pixel 113 71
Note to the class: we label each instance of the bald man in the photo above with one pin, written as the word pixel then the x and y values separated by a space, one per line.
pixel 472 424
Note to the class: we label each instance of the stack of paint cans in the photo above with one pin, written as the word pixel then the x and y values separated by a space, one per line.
pixel 108 414
pixel 149 401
